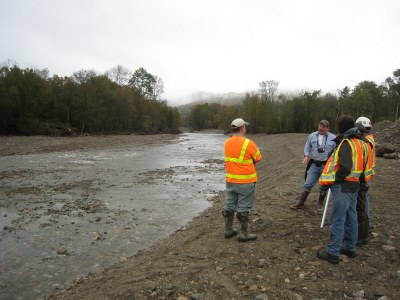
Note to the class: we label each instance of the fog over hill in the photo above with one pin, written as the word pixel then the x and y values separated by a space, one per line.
pixel 231 98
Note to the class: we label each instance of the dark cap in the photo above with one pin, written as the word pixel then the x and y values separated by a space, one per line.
pixel 325 122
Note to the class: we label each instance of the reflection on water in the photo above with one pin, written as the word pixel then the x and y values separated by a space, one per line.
pixel 67 214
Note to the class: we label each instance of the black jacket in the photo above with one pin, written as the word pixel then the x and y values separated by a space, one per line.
pixel 346 162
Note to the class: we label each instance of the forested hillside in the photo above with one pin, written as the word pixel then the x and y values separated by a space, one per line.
pixel 269 112
pixel 31 102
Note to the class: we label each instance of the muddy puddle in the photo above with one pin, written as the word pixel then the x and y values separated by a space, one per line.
pixel 66 214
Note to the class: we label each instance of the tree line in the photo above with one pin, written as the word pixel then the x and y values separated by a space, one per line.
pixel 32 102
pixel 88 102
pixel 269 112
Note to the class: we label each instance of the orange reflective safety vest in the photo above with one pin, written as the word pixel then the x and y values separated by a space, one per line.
pixel 359 153
pixel 370 167
pixel 240 156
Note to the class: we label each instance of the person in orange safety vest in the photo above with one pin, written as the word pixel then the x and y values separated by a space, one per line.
pixel 241 155
pixel 342 174
pixel 363 210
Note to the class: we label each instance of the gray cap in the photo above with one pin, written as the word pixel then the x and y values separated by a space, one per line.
pixel 325 122
pixel 239 122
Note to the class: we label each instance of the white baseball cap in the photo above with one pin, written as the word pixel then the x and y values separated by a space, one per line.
pixel 239 122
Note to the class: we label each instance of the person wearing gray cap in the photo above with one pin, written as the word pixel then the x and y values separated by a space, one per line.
pixel 318 147
pixel 241 155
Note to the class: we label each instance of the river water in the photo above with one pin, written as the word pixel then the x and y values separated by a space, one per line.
pixel 65 214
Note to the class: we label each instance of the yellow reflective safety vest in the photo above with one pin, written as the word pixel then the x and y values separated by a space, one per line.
pixel 359 153
pixel 370 167
pixel 240 156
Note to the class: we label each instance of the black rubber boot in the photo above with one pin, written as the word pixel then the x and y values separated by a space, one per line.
pixel 244 236
pixel 322 195
pixel 302 200
pixel 229 231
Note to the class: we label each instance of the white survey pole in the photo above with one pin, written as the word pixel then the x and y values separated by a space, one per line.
pixel 326 208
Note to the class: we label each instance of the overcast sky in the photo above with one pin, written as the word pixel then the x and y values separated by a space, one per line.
pixel 215 46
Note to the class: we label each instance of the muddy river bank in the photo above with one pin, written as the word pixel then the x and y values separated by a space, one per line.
pixel 199 263
pixel 73 206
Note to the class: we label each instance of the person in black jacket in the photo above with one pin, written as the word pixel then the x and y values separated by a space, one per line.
pixel 341 174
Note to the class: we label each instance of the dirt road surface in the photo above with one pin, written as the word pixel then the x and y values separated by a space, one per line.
pixel 197 262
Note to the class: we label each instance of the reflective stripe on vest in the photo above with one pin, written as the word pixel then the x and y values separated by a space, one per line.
pixel 358 152
pixel 370 167
pixel 242 178
pixel 242 153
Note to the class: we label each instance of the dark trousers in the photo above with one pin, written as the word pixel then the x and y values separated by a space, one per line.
pixel 361 201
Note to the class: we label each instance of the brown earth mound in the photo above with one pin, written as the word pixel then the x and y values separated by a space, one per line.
pixel 387 132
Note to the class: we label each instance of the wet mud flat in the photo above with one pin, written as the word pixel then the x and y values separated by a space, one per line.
pixel 74 206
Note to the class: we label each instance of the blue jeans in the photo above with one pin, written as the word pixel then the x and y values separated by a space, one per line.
pixel 313 175
pixel 344 224
pixel 240 197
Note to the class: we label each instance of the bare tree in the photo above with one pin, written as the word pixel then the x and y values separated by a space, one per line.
pixel 44 73
pixel 268 89
pixel 119 75
pixel 83 76
pixel 267 92
pixel 158 88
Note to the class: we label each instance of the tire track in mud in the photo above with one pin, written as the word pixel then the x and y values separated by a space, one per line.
pixel 280 172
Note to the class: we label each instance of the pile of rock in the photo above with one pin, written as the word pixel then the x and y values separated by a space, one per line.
pixel 387 137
